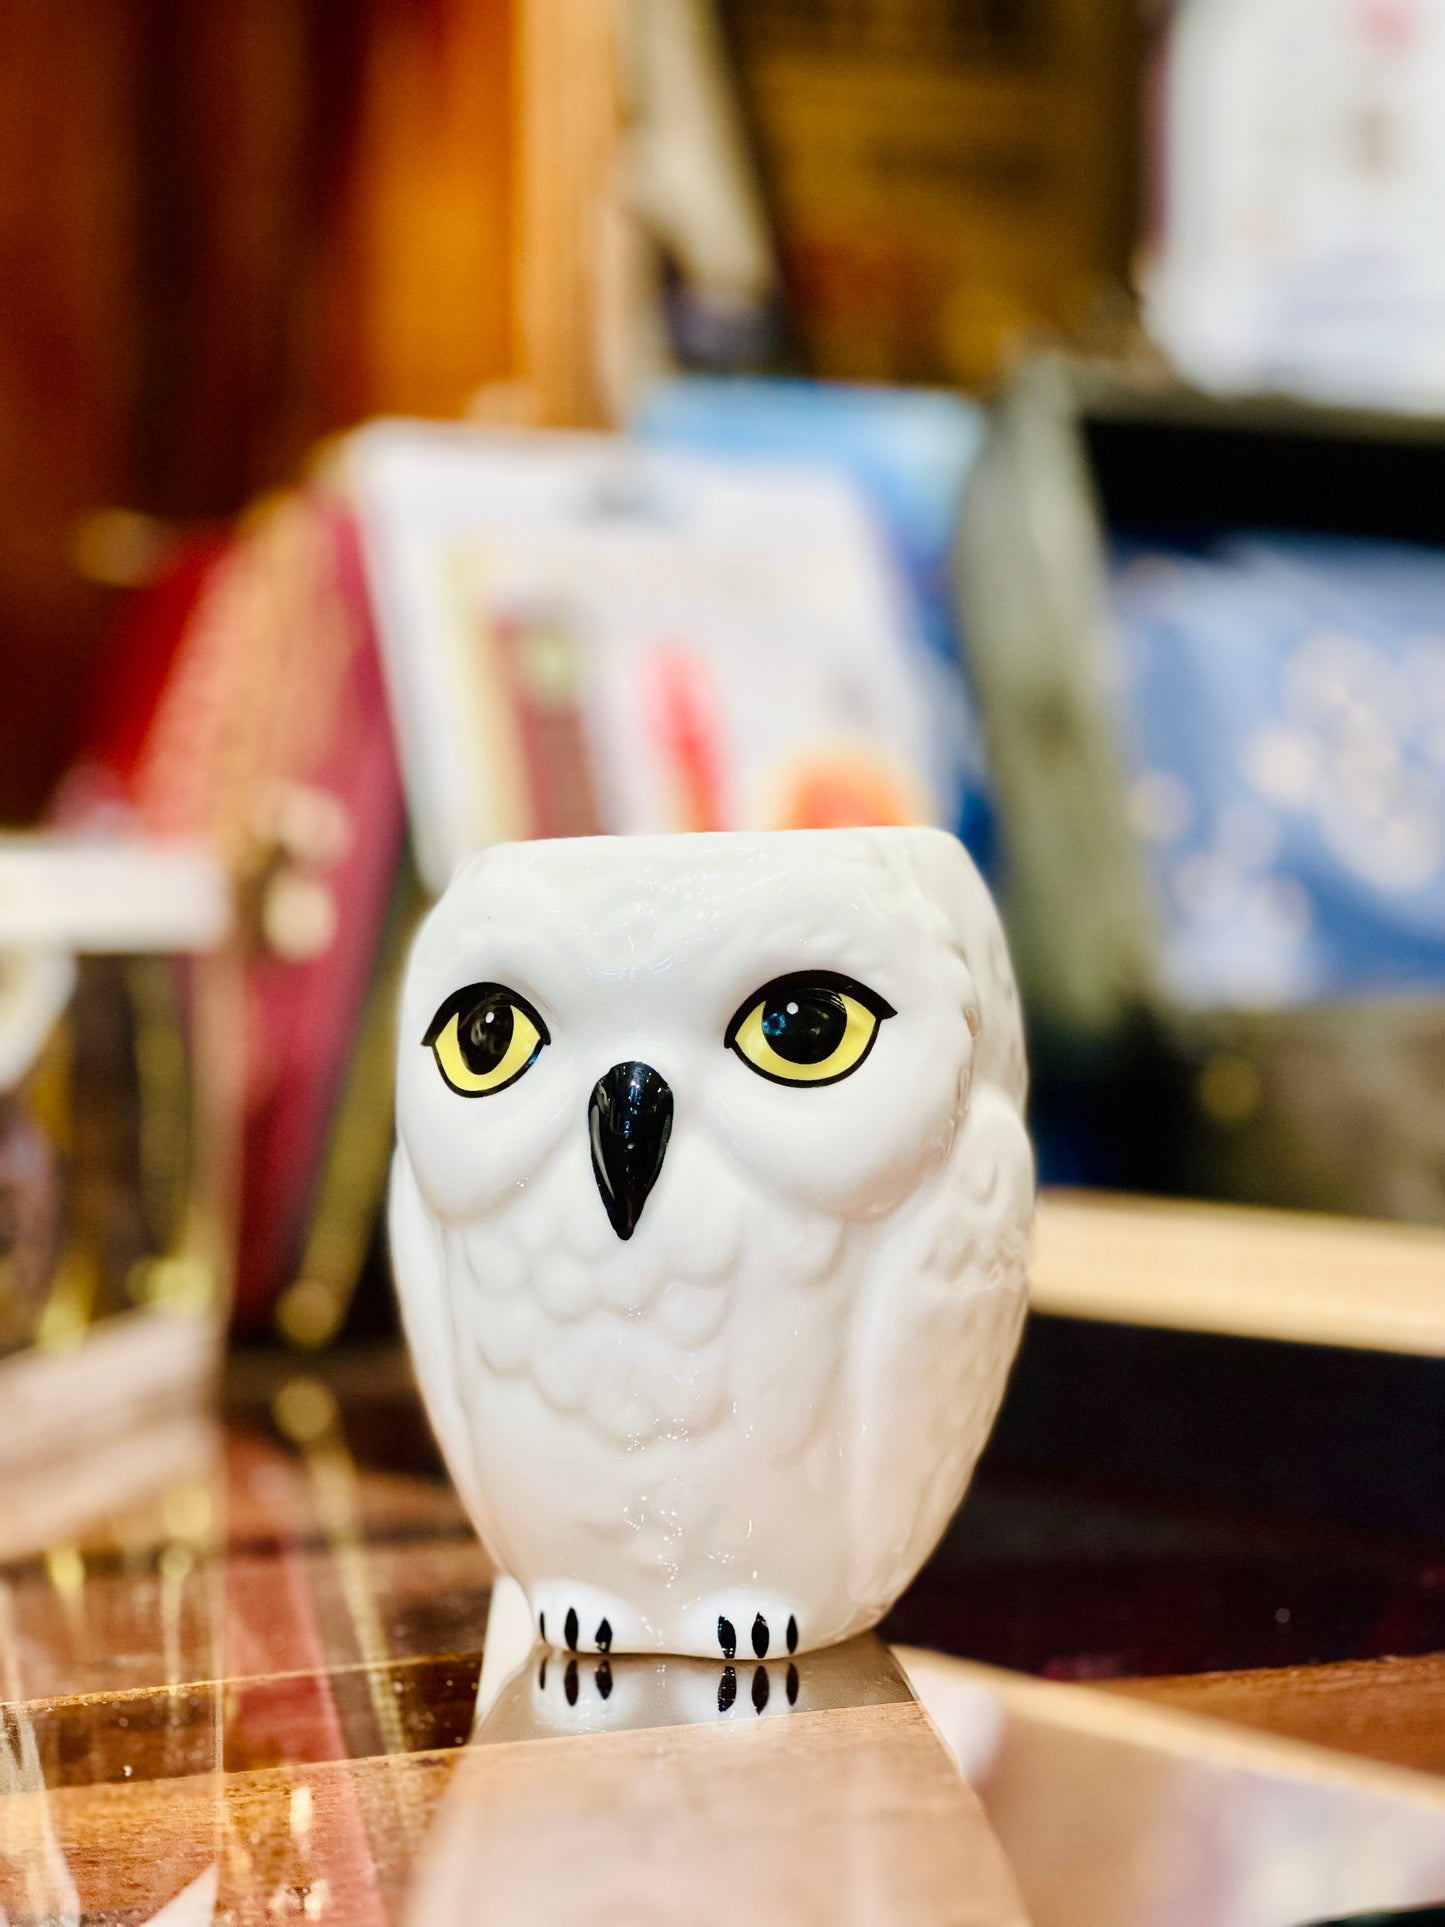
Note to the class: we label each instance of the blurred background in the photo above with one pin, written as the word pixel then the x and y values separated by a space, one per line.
pixel 424 421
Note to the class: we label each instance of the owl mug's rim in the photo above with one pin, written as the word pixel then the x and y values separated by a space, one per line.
pixel 657 839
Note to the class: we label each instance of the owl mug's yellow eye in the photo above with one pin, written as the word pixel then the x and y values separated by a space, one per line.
pixel 811 1028
pixel 484 1037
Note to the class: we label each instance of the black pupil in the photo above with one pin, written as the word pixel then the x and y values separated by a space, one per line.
pixel 485 1035
pixel 805 1024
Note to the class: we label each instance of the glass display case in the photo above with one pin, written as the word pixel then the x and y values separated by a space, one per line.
pixel 119 1035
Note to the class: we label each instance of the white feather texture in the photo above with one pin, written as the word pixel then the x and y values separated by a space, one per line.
pixel 759 1410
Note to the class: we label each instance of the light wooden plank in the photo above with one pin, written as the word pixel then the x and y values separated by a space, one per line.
pixel 1241 1272
pixel 1114 1813
pixel 850 1814
pixel 1391 1710
pixel 855 1814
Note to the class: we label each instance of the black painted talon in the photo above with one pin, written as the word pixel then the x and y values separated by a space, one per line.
pixel 604 1637
pixel 569 1682
pixel 760 1689
pixel 542 1624
pixel 570 1628
pixel 603 1677
pixel 542 1675
pixel 727 1689
pixel 792 1686
pixel 760 1637
pixel 792 1634
pixel 726 1637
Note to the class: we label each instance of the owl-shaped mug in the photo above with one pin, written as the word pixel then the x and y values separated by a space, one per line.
pixel 710 1218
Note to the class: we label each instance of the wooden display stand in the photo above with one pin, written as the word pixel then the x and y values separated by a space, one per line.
pixel 1241 1273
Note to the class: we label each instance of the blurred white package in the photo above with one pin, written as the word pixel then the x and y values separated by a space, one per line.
pixel 1301 156
pixel 584 635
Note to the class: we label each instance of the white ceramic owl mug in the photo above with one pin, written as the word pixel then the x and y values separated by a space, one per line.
pixel 710 1217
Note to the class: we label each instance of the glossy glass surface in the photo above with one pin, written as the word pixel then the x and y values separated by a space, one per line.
pixel 245 1691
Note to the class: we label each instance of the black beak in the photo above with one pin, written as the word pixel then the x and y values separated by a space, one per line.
pixel 629 1120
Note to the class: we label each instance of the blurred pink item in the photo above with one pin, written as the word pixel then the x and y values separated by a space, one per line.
pixel 242 703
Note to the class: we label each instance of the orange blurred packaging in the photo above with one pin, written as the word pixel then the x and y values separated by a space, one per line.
pixel 242 705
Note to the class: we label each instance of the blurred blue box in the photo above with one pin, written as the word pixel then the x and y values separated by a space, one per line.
pixel 1284 714
pixel 1208 641
pixel 909 452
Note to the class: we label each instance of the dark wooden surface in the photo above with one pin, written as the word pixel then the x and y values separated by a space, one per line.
pixel 251 1694
pixel 248 1696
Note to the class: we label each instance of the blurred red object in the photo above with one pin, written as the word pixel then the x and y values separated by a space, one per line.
pixel 241 700
pixel 684 715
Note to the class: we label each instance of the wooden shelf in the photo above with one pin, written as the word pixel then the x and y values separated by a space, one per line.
pixel 1240 1272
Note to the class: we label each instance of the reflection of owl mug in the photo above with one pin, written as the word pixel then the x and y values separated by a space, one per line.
pixel 710 1219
